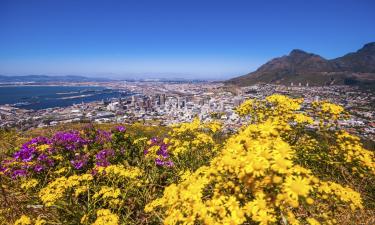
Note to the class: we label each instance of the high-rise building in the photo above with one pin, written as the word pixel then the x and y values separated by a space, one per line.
pixel 133 100
pixel 163 99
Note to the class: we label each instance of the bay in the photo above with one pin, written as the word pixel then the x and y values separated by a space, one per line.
pixel 42 97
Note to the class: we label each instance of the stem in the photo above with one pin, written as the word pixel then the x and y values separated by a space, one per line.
pixel 3 192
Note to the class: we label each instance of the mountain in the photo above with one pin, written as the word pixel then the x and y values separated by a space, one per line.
pixel 361 61
pixel 45 78
pixel 302 67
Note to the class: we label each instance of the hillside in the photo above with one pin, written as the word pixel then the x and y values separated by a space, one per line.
pixel 302 67
pixel 191 173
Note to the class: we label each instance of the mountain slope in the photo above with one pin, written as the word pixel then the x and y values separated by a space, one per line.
pixel 303 67
pixel 361 61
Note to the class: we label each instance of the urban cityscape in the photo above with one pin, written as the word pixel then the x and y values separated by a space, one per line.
pixel 164 103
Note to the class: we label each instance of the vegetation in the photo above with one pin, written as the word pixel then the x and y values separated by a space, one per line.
pixel 277 169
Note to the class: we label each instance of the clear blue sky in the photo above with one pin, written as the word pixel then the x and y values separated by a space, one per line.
pixel 177 38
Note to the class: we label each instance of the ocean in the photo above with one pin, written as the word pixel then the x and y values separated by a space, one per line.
pixel 42 97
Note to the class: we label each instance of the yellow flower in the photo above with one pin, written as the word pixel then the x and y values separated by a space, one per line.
pixel 332 108
pixel 109 195
pixel 301 118
pixel 84 219
pixel 312 221
pixel 62 170
pixel 56 189
pixel 80 190
pixel 24 220
pixel 120 172
pixel 106 217
pixel 296 186
pixel 42 148
pixel 309 201
pixel 281 165
pixel 29 184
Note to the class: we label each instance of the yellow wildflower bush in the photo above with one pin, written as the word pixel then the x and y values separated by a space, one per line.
pixel 272 107
pixel 188 137
pixel 272 171
pixel 77 188
pixel 109 195
pixel 23 220
pixel 253 179
pixel 57 189
pixel 335 149
pixel 328 114
pixel 350 150
pixel 119 173
pixel 106 217
pixel 29 184
pixel 301 118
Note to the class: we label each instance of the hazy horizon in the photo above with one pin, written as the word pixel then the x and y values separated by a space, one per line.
pixel 167 39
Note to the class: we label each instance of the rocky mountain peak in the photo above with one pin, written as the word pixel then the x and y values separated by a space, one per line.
pixel 300 66
pixel 298 52
pixel 369 47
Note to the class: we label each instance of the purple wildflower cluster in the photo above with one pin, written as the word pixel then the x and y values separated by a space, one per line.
pixel 79 149
pixel 29 158
pixel 162 155
pixel 28 150
pixel 71 140
pixel 103 156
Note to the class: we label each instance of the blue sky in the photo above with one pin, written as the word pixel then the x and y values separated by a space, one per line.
pixel 157 38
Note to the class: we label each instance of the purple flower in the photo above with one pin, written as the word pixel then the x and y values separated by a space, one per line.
pixel 28 149
pixel 103 156
pixel 50 162
pixel 25 154
pixel 103 136
pixel 169 163
pixel 163 151
pixel 77 164
pixel 159 162
pixel 42 157
pixel 38 141
pixel 19 173
pixel 162 154
pixel 79 161
pixel 69 140
pixel 154 140
pixel 38 168
pixel 120 128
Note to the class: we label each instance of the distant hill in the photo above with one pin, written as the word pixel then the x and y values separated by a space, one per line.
pixel 46 78
pixel 357 68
